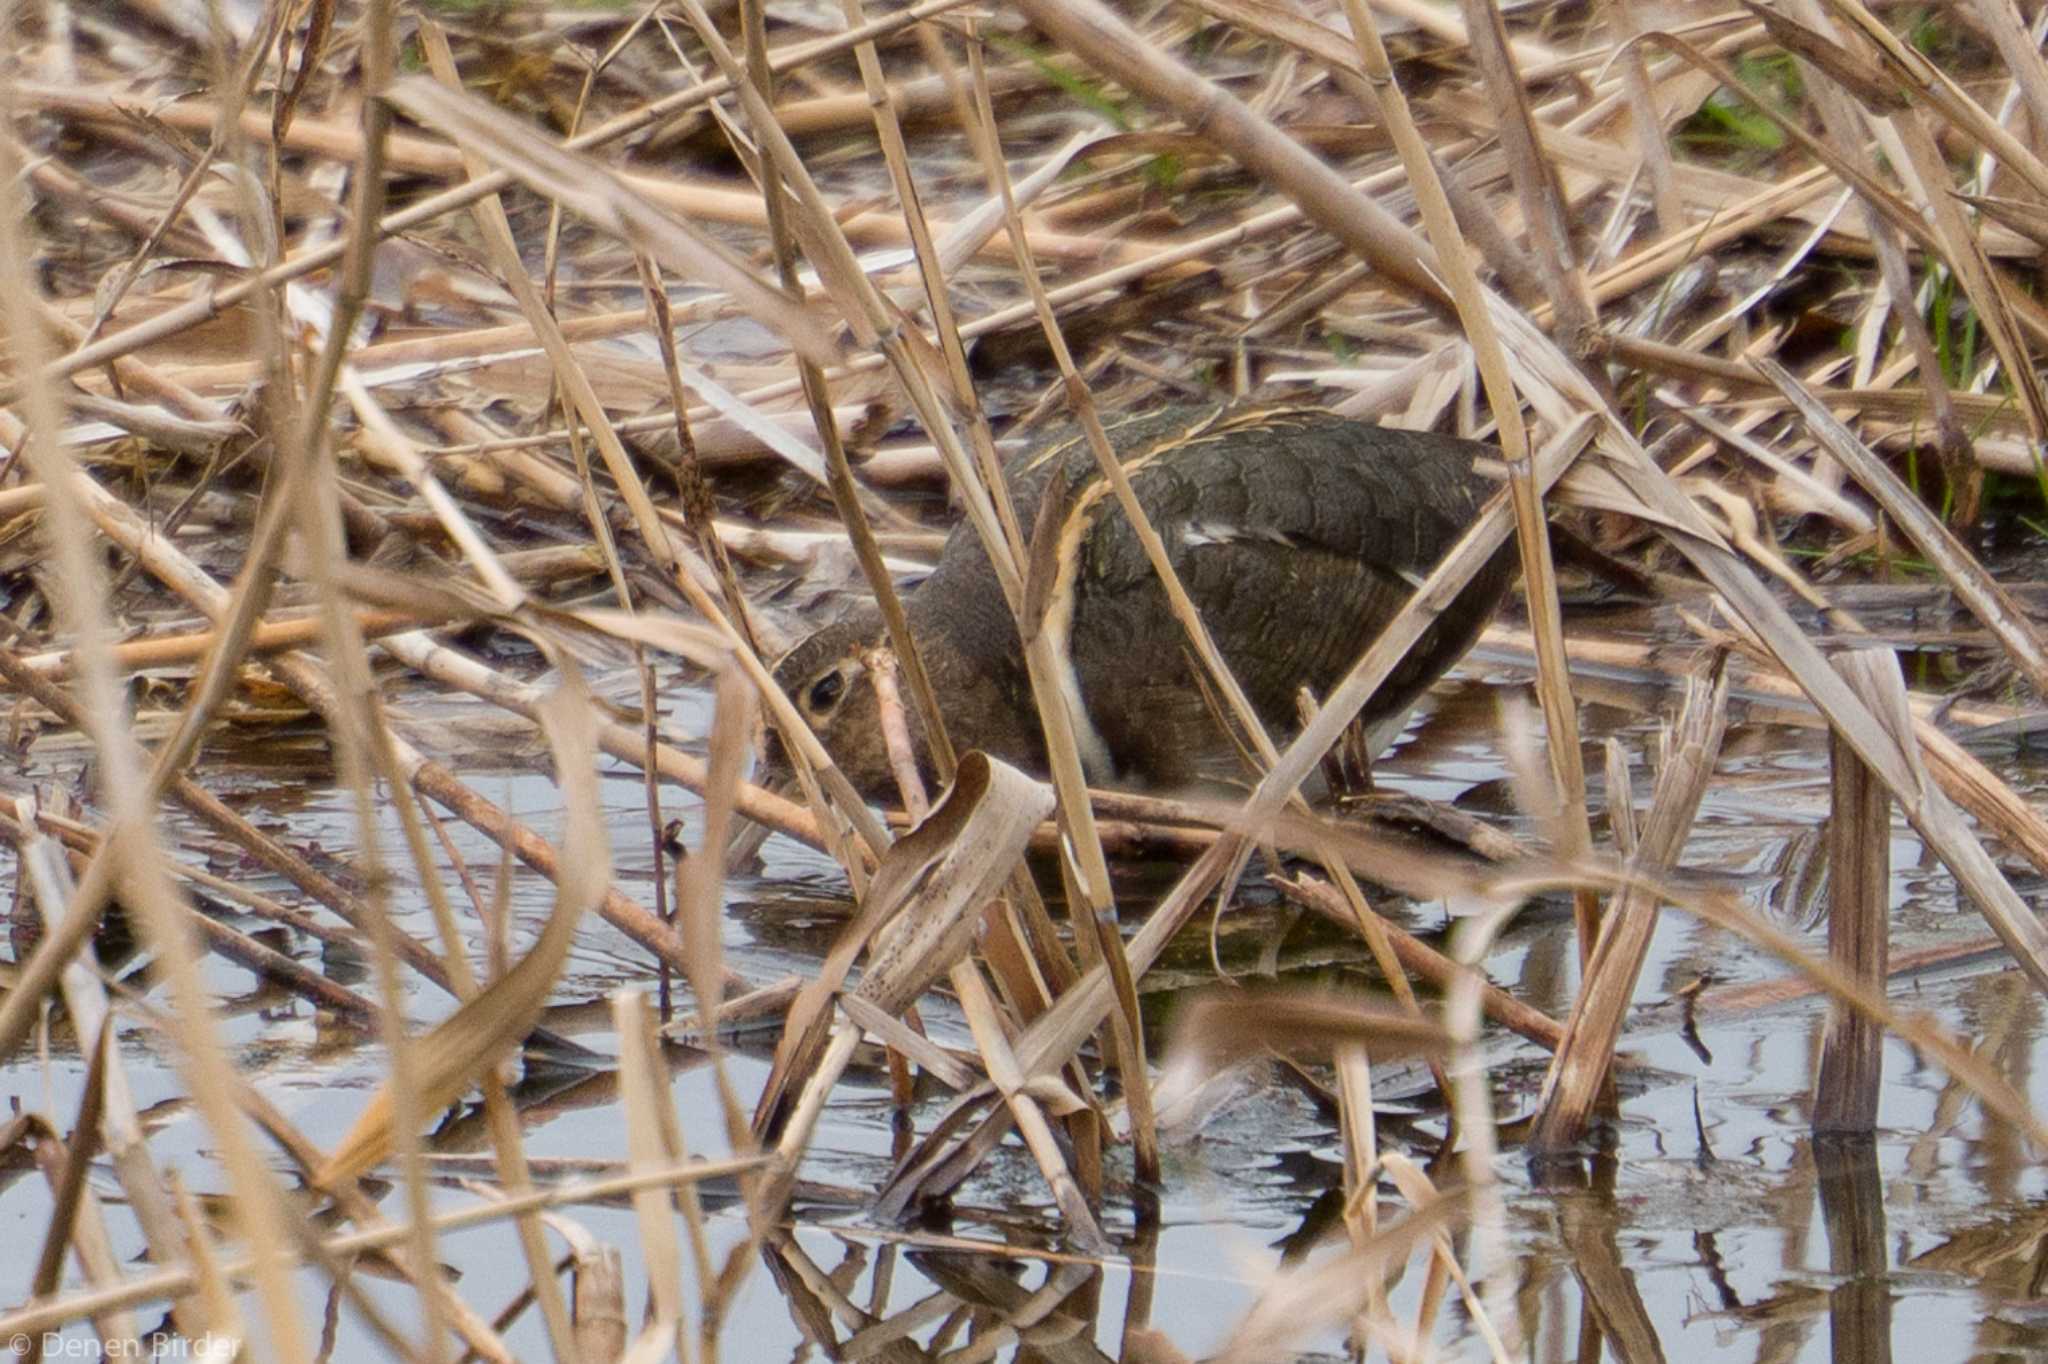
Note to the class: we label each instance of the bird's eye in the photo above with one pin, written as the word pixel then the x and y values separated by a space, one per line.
pixel 825 692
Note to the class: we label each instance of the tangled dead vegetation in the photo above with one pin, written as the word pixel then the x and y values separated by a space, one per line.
pixel 368 367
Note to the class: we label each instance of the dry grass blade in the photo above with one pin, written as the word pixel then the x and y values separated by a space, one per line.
pixel 2020 215
pixel 1421 1191
pixel 1361 1167
pixel 751 420
pixel 450 1057
pixel 1621 799
pixel 653 1141
pixel 77 1218
pixel 1579 1069
pixel 1316 40
pixel 702 877
pixel 972 232
pixel 383 433
pixel 593 192
pixel 1824 499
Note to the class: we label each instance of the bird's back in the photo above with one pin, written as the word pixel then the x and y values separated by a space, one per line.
pixel 1297 534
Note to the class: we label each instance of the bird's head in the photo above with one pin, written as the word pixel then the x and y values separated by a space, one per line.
pixel 830 686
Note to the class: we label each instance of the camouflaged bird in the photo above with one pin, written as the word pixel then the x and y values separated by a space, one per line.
pixel 1297 533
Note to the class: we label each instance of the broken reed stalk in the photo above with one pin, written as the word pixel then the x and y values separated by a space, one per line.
pixel 1859 837
pixel 1578 1070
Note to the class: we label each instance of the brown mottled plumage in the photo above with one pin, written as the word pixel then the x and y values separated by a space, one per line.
pixel 1298 534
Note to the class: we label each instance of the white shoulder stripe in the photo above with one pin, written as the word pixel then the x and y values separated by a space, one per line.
pixel 1201 533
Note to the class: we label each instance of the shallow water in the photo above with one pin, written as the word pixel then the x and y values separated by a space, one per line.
pixel 1708 1225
